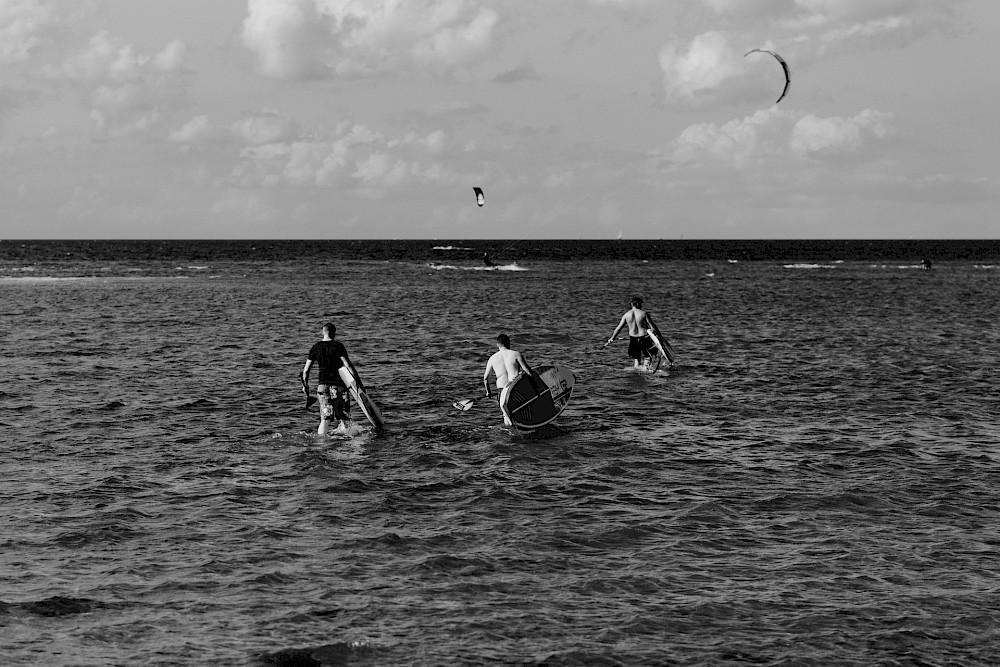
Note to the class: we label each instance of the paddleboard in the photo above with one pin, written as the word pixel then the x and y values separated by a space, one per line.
pixel 362 399
pixel 527 408
pixel 662 345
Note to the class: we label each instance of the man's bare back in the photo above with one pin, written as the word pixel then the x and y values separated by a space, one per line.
pixel 506 364
pixel 637 322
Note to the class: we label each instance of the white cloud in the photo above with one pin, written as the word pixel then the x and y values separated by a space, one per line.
pixel 773 136
pixel 827 137
pixel 192 131
pixel 710 69
pixel 697 74
pixel 356 158
pixel 129 92
pixel 265 127
pixel 301 39
pixel 22 24
pixel 108 58
pixel 739 142
pixel 819 24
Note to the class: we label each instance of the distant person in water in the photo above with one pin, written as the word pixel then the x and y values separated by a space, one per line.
pixel 925 263
pixel 334 400
pixel 505 364
pixel 486 259
pixel 640 346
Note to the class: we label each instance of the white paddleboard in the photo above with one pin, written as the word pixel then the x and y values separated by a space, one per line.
pixel 662 345
pixel 362 399
pixel 529 406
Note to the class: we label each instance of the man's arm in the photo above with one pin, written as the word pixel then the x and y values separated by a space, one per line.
pixel 524 364
pixel 486 378
pixel 527 369
pixel 305 376
pixel 618 328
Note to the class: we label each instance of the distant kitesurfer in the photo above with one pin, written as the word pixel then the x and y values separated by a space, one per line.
pixel 486 259
pixel 334 400
pixel 640 345
pixel 925 263
pixel 505 364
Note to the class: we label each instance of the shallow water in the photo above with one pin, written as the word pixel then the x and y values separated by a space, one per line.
pixel 815 482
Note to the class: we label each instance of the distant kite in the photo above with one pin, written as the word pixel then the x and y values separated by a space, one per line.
pixel 479 196
pixel 784 66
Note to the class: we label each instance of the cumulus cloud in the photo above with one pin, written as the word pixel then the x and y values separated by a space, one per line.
pixel 773 134
pixel 709 68
pixel 265 127
pixel 522 73
pixel 356 158
pixel 129 92
pixel 698 73
pixel 302 39
pixel 829 137
pixel 819 24
pixel 108 58
pixel 739 142
pixel 23 24
pixel 192 131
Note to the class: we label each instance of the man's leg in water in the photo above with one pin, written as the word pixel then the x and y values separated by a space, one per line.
pixel 325 408
pixel 342 407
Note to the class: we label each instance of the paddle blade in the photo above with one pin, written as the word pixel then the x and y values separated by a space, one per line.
pixel 309 401
pixel 464 405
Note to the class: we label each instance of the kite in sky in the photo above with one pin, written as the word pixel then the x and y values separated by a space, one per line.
pixel 479 196
pixel 784 66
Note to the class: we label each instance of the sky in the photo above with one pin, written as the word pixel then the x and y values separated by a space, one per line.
pixel 580 119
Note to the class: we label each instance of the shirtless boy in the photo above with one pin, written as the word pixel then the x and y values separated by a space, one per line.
pixel 638 321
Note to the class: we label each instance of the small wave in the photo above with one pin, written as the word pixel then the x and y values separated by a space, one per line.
pixel 500 267
pixel 340 653
pixel 455 565
pixel 56 605
pixel 199 404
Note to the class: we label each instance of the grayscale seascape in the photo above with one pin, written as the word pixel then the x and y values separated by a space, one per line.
pixel 816 481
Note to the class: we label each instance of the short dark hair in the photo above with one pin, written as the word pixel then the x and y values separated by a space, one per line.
pixel 637 301
pixel 503 340
pixel 331 328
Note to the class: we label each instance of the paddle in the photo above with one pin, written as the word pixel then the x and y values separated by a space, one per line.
pixel 612 340
pixel 305 390
pixel 467 403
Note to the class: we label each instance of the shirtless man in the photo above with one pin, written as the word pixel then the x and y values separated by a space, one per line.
pixel 638 321
pixel 505 364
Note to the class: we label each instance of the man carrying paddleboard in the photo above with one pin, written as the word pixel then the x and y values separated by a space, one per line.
pixel 505 364
pixel 640 346
pixel 334 400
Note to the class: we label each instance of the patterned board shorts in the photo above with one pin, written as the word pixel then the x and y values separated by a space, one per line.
pixel 334 401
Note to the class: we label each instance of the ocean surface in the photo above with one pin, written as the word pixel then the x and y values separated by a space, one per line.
pixel 815 482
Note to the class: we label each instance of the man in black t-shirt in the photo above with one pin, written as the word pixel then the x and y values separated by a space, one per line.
pixel 334 401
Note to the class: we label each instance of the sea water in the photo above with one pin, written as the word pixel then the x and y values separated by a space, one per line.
pixel 816 480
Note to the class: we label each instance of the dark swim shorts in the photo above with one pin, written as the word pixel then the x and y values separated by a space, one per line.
pixel 639 347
